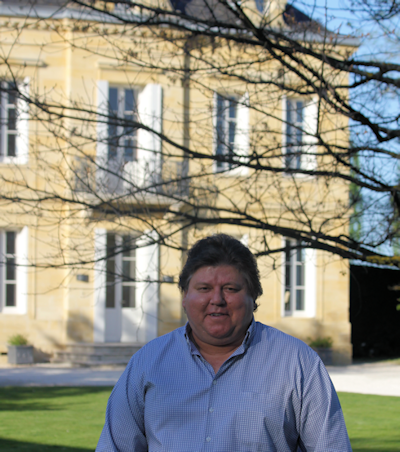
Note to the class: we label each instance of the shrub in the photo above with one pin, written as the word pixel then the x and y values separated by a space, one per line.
pixel 320 342
pixel 18 339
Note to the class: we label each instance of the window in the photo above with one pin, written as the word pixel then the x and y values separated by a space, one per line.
pixel 122 148
pixel 120 271
pixel 13 276
pixel 225 130
pixel 231 134
pixel 294 133
pixel 9 276
pixel 122 134
pixel 13 121
pixel 299 280
pixel 301 118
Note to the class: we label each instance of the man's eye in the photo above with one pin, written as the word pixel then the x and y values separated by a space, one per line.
pixel 232 289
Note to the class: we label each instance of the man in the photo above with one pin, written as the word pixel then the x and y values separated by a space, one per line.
pixel 223 383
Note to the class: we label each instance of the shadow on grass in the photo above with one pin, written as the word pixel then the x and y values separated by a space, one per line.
pixel 16 398
pixel 364 445
pixel 11 445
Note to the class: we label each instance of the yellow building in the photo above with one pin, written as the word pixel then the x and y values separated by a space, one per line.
pixel 95 212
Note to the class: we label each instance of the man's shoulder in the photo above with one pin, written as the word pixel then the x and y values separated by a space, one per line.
pixel 281 342
pixel 171 342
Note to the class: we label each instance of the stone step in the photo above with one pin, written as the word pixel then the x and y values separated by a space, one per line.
pixel 92 354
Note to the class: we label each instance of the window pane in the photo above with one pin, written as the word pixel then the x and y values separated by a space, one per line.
pixel 129 100
pixel 12 95
pixel 11 146
pixel 232 127
pixel 11 121
pixel 10 269
pixel 299 111
pixel 128 244
pixel 220 106
pixel 110 275
pixel 128 297
pixel 287 299
pixel 110 297
pixel 300 275
pixel 110 243
pixel 128 151
pixel 11 295
pixel 113 99
pixel 10 242
pixel 300 300
pixel 110 270
pixel 232 108
pixel 300 254
pixel 126 270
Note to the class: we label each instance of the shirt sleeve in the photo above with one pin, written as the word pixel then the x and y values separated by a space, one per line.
pixel 123 430
pixel 322 426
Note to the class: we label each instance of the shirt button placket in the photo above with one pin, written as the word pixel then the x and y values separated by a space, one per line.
pixel 208 439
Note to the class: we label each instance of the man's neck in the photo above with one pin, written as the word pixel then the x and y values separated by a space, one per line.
pixel 215 355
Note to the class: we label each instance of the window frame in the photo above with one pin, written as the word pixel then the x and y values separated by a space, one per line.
pixel 305 143
pixel 19 282
pixel 116 281
pixel 227 123
pixel 308 285
pixel 119 155
pixel 20 132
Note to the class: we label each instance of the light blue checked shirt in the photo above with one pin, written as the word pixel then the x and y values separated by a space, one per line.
pixel 272 394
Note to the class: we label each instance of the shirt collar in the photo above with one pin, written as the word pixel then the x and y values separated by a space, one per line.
pixel 242 349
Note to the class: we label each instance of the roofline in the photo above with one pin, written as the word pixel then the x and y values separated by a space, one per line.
pixel 84 14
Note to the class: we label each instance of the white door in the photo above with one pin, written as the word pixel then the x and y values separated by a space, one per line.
pixel 127 296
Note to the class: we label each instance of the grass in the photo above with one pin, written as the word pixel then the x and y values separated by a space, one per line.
pixel 51 419
pixel 70 419
pixel 372 422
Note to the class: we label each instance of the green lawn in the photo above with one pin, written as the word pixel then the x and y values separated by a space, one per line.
pixel 70 419
pixel 51 419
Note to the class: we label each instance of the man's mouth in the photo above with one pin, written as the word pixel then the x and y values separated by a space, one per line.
pixel 216 315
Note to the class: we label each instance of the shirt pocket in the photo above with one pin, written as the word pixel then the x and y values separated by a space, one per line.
pixel 250 421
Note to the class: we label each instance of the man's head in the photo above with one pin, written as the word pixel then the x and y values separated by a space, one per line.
pixel 222 249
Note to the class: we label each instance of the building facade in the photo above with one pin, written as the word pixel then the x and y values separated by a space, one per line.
pixel 96 212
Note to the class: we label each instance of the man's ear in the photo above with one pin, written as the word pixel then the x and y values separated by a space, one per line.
pixel 184 299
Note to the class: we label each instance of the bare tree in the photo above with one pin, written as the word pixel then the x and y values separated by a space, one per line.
pixel 277 119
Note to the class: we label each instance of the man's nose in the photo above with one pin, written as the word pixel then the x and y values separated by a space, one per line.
pixel 218 297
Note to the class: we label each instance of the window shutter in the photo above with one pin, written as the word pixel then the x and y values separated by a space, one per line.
pixel 149 144
pixel 22 141
pixel 309 158
pixel 242 138
pixel 22 269
pixel 100 249
pixel 102 135
pixel 214 124
pixel 147 276
pixel 311 282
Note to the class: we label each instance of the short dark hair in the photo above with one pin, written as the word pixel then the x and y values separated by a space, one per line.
pixel 222 249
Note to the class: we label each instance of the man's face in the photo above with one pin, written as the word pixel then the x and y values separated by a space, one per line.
pixel 217 305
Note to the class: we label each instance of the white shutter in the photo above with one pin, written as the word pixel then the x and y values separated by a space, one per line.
pixel 214 123
pixel 310 295
pixel 99 318
pixel 242 138
pixel 22 270
pixel 147 276
pixel 102 135
pixel 310 118
pixel 22 141
pixel 149 143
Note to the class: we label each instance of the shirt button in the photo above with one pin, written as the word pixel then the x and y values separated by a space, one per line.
pixel 211 410
pixel 214 382
pixel 208 439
